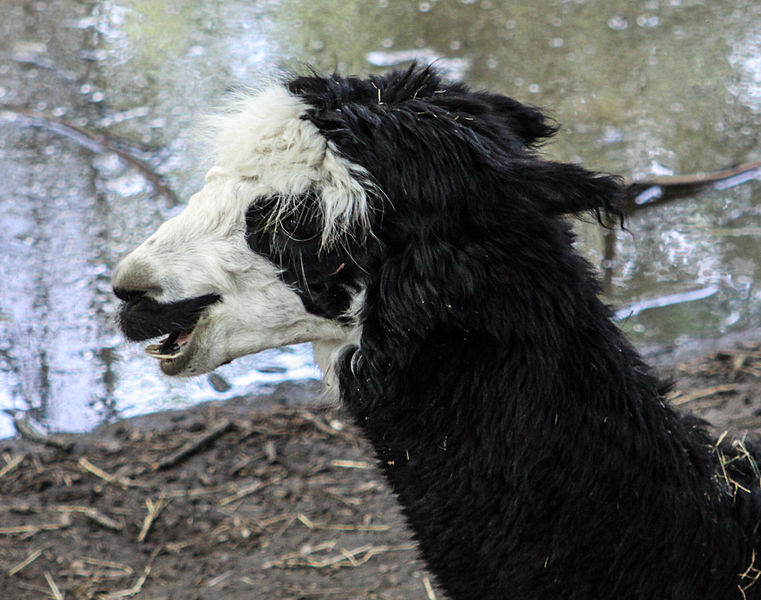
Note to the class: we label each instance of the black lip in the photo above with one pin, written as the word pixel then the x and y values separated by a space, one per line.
pixel 144 318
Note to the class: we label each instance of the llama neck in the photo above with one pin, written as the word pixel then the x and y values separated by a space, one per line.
pixel 540 411
pixel 581 373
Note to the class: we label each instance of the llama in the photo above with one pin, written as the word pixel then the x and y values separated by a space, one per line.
pixel 410 230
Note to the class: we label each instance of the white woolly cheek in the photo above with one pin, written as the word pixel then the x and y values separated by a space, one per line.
pixel 262 313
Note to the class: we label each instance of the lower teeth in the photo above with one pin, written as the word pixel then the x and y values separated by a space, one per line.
pixel 154 350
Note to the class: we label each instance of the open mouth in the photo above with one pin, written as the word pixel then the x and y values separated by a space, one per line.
pixel 143 318
pixel 171 347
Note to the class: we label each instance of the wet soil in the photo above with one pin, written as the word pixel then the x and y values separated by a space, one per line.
pixel 268 497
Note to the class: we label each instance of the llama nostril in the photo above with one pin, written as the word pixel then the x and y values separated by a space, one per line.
pixel 132 279
pixel 127 295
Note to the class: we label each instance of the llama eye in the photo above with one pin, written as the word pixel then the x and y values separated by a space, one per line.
pixel 267 219
pixel 299 227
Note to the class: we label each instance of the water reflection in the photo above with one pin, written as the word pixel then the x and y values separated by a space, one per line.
pixel 642 88
pixel 746 60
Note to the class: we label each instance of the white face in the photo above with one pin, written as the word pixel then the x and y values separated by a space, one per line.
pixel 264 149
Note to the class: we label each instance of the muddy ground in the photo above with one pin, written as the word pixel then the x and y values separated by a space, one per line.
pixel 269 497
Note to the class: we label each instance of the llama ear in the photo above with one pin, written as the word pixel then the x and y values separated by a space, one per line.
pixel 530 124
pixel 560 188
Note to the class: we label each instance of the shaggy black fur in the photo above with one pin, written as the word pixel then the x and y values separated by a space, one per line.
pixel 530 446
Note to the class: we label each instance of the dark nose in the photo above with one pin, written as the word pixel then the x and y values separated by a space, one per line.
pixel 133 279
pixel 128 295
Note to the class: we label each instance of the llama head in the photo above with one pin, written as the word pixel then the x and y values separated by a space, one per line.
pixel 332 198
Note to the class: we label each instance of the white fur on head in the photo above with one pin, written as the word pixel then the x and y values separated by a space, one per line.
pixel 264 149
pixel 265 138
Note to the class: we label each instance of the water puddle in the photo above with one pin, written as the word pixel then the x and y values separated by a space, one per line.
pixel 98 101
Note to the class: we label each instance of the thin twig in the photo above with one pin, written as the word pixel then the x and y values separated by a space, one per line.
pixel 53 587
pixel 94 515
pixel 154 508
pixel 215 581
pixel 752 573
pixel 307 522
pixel 12 464
pixel 196 492
pixel 345 558
pixel 428 589
pixel 250 489
pixel 123 482
pixel 704 393
pixel 351 464
pixel 138 586
pixel 108 564
pixel 193 446
pixel 27 561
pixel 32 529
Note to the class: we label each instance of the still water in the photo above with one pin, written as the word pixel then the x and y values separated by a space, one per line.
pixel 99 98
